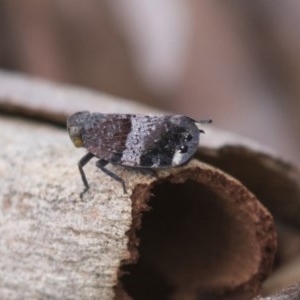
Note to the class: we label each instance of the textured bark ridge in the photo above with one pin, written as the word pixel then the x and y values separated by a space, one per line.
pixel 185 233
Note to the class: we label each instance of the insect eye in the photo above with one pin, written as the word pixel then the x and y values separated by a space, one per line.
pixel 187 137
pixel 75 136
pixel 183 149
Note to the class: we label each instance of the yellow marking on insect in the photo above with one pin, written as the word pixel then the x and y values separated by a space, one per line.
pixel 75 135
pixel 77 141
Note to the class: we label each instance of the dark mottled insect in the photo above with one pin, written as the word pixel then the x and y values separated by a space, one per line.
pixel 136 141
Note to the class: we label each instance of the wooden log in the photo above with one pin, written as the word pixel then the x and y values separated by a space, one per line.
pixel 198 229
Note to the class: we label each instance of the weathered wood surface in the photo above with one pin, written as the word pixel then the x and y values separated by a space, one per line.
pixel 55 245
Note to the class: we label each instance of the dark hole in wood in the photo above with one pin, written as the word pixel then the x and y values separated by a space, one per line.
pixel 188 241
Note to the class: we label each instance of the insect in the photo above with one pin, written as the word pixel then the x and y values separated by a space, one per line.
pixel 136 141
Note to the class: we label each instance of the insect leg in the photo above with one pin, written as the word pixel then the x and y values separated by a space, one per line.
pixel 101 163
pixel 84 160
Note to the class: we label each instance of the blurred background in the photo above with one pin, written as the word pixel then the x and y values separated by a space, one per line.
pixel 236 61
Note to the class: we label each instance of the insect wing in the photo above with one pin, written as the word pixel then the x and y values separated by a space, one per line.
pixel 106 136
pixel 160 142
pixel 141 141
